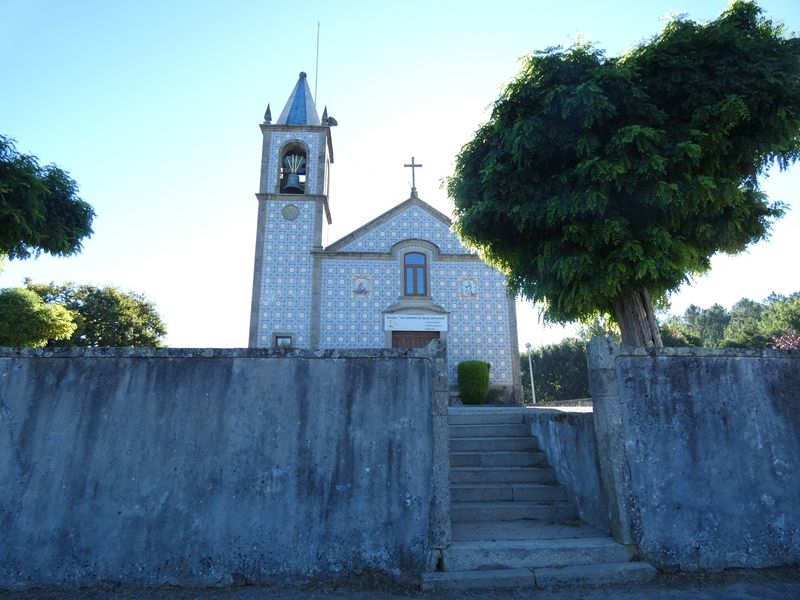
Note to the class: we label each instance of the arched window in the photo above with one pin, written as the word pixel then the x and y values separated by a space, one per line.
pixel 415 274
pixel 293 169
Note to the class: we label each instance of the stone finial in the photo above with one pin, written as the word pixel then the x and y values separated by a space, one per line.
pixel 268 115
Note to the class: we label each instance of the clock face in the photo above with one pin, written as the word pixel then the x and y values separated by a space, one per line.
pixel 290 212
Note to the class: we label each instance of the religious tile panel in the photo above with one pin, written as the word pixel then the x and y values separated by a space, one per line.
pixel 362 285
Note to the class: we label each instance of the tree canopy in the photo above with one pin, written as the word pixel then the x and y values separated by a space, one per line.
pixel 747 324
pixel 559 369
pixel 601 183
pixel 104 316
pixel 27 321
pixel 40 210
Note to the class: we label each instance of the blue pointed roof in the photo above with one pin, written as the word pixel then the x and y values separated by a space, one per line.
pixel 300 108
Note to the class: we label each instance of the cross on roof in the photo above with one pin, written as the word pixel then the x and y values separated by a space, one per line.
pixel 413 166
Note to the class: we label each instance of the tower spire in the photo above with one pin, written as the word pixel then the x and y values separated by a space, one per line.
pixel 300 108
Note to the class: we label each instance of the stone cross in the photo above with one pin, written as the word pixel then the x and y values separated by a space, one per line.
pixel 413 166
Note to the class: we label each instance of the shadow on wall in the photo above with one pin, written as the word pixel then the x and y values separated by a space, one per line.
pixel 201 467
pixel 699 451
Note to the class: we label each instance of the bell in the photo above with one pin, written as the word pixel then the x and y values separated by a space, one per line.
pixel 292 184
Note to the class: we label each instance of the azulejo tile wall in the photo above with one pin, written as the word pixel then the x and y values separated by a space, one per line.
pixel 286 273
pixel 478 326
pixel 350 320
pixel 479 322
pixel 354 291
pixel 472 293
pixel 413 223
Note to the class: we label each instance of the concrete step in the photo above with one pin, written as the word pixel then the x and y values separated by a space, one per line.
pixel 548 577
pixel 512 511
pixel 502 475
pixel 490 430
pixel 516 554
pixel 600 574
pixel 468 580
pixel 485 418
pixel 496 459
pixel 493 444
pixel 523 530
pixel 491 492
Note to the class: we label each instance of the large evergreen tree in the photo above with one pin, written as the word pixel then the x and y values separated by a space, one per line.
pixel 601 183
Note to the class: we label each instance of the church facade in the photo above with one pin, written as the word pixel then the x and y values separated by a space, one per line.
pixel 401 280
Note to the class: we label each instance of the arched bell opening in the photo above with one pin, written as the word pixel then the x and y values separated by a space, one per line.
pixel 293 169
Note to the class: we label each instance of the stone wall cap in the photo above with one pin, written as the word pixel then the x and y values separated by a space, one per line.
pixel 603 345
pixel 430 352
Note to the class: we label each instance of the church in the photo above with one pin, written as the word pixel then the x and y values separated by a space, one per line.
pixel 399 281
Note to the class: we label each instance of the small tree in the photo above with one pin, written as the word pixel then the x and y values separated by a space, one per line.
pixel 745 328
pixel 104 316
pixel 559 371
pixel 675 332
pixel 600 183
pixel 27 321
pixel 40 210
pixel 709 324
pixel 782 314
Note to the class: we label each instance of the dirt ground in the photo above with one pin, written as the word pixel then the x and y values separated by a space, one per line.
pixel 770 584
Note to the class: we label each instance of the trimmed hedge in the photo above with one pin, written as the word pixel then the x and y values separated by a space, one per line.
pixel 473 381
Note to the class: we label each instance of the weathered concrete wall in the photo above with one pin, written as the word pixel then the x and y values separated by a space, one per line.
pixel 156 467
pixel 568 440
pixel 700 453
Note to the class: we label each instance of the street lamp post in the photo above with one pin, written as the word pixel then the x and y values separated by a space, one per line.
pixel 530 370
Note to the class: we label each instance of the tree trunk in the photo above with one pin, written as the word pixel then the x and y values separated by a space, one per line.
pixel 637 322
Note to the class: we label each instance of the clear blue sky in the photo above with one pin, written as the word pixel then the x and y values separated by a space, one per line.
pixel 154 106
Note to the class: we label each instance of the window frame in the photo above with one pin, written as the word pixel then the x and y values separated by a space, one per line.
pixel 278 341
pixel 415 269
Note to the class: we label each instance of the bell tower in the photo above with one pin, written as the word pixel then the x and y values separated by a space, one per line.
pixel 293 213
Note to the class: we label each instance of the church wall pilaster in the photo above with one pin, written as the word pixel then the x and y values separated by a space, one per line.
pixel 255 303
pixel 516 372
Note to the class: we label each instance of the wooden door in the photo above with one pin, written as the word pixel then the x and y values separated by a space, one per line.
pixel 413 339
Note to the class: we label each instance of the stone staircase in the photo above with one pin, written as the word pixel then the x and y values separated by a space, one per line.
pixel 512 524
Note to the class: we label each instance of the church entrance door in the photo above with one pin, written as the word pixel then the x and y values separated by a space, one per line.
pixel 413 339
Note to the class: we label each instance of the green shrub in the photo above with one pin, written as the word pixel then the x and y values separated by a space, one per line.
pixel 559 371
pixel 473 381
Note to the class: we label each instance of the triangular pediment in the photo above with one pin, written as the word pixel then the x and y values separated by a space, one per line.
pixel 412 219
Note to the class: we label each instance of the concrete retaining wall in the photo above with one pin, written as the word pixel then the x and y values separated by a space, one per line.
pixel 209 467
pixel 568 440
pixel 700 453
